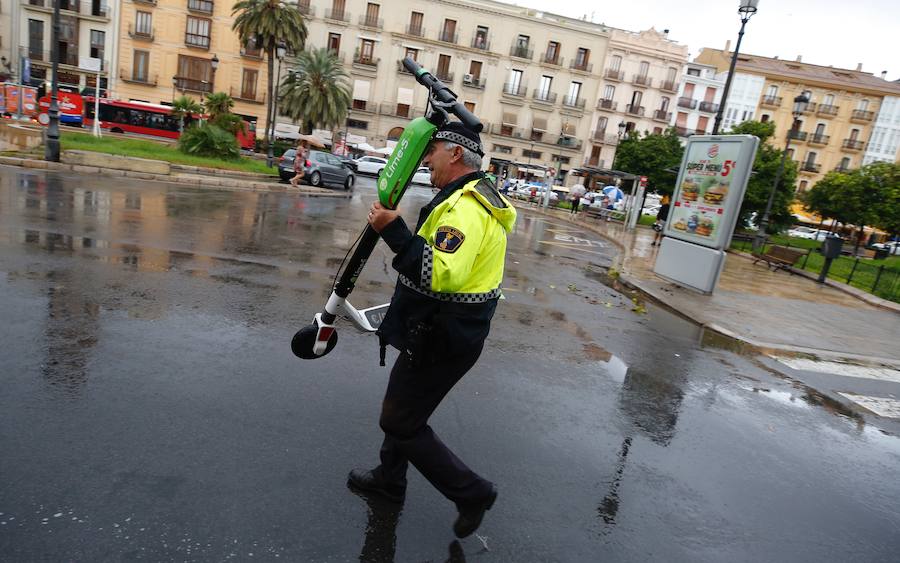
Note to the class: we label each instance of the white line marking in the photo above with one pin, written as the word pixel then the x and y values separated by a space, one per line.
pixel 846 370
pixel 882 406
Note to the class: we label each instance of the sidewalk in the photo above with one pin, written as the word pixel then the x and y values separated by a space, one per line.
pixel 773 311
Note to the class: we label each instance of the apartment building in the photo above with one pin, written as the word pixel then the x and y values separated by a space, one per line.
pixel 640 81
pixel 699 95
pixel 836 127
pixel 172 47
pixel 885 142
pixel 87 35
pixel 530 76
pixel 8 50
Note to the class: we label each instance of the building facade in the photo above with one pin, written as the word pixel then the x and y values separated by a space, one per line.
pixel 640 82
pixel 172 47
pixel 885 142
pixel 699 95
pixel 835 129
pixel 531 77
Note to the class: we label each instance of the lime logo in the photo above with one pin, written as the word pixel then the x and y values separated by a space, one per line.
pixel 382 185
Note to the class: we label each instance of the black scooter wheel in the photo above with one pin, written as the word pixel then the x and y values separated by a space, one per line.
pixel 303 342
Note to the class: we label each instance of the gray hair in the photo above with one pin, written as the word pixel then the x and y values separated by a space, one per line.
pixel 469 158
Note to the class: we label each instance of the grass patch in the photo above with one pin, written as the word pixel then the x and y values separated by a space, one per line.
pixel 140 148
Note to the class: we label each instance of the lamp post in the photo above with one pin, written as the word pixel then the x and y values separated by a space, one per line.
pixel 280 51
pixel 214 63
pixel 746 9
pixel 51 148
pixel 621 127
pixel 801 102
pixel 562 141
pixel 346 132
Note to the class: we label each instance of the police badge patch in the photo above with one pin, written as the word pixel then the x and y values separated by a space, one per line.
pixel 448 239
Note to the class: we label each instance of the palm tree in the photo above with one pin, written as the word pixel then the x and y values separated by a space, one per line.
pixel 266 23
pixel 218 103
pixel 317 93
pixel 185 106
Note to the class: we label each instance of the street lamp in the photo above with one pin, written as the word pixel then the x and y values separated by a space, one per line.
pixel 346 132
pixel 280 52
pixel 214 63
pixel 621 127
pixel 746 9
pixel 801 102
pixel 51 148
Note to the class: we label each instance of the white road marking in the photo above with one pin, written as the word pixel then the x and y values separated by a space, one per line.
pixel 882 406
pixel 837 368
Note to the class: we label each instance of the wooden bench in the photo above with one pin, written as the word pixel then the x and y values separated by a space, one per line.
pixel 603 213
pixel 779 257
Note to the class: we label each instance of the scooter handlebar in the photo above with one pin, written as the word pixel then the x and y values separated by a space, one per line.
pixel 443 94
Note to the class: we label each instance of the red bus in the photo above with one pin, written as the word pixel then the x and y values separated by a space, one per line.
pixel 154 120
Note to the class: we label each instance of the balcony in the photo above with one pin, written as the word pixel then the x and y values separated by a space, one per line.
pixel 642 80
pixel 631 109
pixel 521 52
pixel 573 102
pixel 147 2
pixel 507 130
pixel 583 66
pixel 132 78
pixel 89 8
pixel 198 41
pixel 200 6
pixel 685 132
pixel 511 89
pixel 243 96
pixel 544 97
pixel 608 105
pixel 852 145
pixel 480 41
pixel 371 22
pixel 65 57
pixel 140 34
pixel 365 60
pixel 448 36
pixel 811 167
pixel 689 103
pixel 862 115
pixel 598 136
pixel 662 115
pixel 669 86
pixel 797 135
pixel 821 140
pixel 252 53
pixel 827 111
pixel 841 168
pixel 771 101
pixel 614 74
pixel 304 8
pixel 810 108
pixel 444 76
pixel 709 107
pixel 186 84
pixel 567 141
pixel 552 59
pixel 363 106
pixel 339 16
pixel 473 81
pixel 415 30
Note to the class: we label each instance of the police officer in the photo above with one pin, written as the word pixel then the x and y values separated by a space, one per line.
pixel 450 271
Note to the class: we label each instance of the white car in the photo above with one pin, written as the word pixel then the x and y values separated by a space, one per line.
pixel 893 247
pixel 807 233
pixel 422 176
pixel 370 165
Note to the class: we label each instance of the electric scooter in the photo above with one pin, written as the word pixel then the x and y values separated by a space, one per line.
pixel 320 337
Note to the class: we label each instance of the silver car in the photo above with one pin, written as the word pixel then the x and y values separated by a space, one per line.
pixel 322 168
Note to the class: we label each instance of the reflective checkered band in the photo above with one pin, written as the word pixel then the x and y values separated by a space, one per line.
pixel 452 297
pixel 427 266
pixel 460 140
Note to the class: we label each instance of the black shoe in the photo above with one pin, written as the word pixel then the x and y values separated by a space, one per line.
pixel 470 517
pixel 366 481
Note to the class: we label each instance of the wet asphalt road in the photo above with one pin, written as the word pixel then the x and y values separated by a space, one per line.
pixel 151 408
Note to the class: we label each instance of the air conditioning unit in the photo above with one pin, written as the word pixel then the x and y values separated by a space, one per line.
pixel 517 134
pixel 467 78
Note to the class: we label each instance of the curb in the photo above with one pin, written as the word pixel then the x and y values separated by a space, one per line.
pixel 194 180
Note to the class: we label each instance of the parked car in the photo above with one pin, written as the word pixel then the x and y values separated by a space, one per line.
pixel 370 165
pixel 321 168
pixel 893 247
pixel 422 176
pixel 807 233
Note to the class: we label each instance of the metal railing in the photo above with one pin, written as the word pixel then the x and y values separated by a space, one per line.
pixel 365 60
pixel 573 102
pixel 201 6
pixel 669 86
pixel 65 58
pixel 862 115
pixel 567 141
pixel 554 60
pixel 511 89
pixel 598 135
pixel 685 132
pixel 819 139
pixel 444 76
pixel 583 66
pixel 192 84
pixel 507 131
pixel 773 101
pixel 366 21
pixel 131 77
pixel 810 107
pixel 634 110
pixel 709 107
pixel 853 144
pixel 448 36
pixel 811 167
pixel 827 110
pixel 603 103
pixel 548 97
pixel 482 42
pixel 195 40
pixel 473 81
pixel 90 8
pixel 251 53
pixel 642 80
pixel 684 102
pixel 614 74
pixel 305 9
pixel 797 135
pixel 247 96
pixel 416 30
pixel 662 115
pixel 150 2
pixel 337 15
pixel 140 34
pixel 521 52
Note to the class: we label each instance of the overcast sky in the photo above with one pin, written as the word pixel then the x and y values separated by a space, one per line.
pixel 825 32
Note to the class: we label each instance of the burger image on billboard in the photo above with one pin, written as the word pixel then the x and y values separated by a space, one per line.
pixel 705 227
pixel 716 194
pixel 689 190
pixel 680 224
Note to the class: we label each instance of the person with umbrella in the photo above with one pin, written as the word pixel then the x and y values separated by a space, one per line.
pixel 576 193
pixel 300 162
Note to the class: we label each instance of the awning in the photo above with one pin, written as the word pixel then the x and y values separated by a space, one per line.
pixel 363 147
pixel 361 90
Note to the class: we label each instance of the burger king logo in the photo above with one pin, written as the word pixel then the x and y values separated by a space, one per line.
pixel 713 151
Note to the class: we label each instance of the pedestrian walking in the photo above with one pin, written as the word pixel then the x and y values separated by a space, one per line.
pixel 450 268
pixel 300 162
pixel 660 223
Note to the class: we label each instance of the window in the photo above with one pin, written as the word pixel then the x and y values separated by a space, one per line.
pixel 574 92
pixel 139 66
pixel 710 94
pixel 197 33
pixel 515 82
pixel 609 92
pixel 470 106
pixel 334 42
pixel 366 51
pixel 475 69
pixel 702 123
pixel 412 53
pixel 808 94
pixel 201 6
pixel 601 125
pixel 672 73
pixel 402 110
pixel 829 100
pixel 544 87
pixel 359 104
pixel 521 47
pixel 194 68
pixel 98 41
pixel 772 91
pixel 531 154
pixel 854 134
pixel 443 67
pixel 36 39
pixel 357 124
pixel 581 57
pixel 803 184
pixel 481 37
pixel 645 68
pixel 820 130
pixel 248 84
pixel 503 149
pixel 636 99
pixel 693 72
pixel 863 105
pixel 664 104
pixel 764 118
pixel 845 163
pixel 449 32
pixel 810 158
pixel 337 9
pixel 143 23
pixel 615 62
pixel 552 52
pixel 394 134
pixel 372 15
pixel 415 23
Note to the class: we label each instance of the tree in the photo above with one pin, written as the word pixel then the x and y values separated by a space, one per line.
pixel 317 93
pixel 266 23
pixel 183 107
pixel 652 156
pixel 218 106
pixel 884 179
pixel 765 168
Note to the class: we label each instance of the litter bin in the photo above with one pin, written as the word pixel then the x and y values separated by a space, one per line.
pixel 831 249
pixel 881 253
